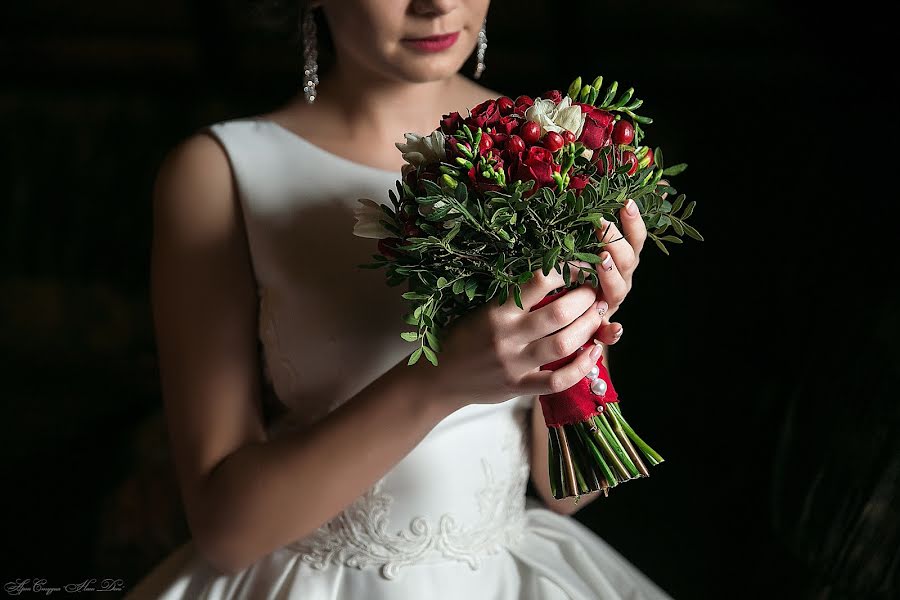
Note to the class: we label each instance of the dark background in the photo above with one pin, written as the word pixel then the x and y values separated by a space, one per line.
pixel 761 363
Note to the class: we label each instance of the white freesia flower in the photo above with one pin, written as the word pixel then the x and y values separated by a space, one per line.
pixel 368 220
pixel 421 150
pixel 556 117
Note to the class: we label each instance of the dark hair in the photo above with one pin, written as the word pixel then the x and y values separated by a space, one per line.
pixel 282 17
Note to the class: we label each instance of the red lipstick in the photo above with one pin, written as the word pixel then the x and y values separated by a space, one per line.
pixel 433 43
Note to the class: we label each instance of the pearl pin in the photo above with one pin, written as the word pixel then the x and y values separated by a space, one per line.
pixel 598 386
pixel 594 374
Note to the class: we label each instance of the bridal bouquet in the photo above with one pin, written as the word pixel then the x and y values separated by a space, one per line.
pixel 484 200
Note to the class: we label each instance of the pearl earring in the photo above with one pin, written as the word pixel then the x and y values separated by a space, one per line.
pixel 482 46
pixel 310 56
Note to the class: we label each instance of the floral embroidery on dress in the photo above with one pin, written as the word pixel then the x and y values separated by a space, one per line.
pixel 358 537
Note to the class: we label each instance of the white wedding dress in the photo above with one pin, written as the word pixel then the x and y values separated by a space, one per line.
pixel 450 521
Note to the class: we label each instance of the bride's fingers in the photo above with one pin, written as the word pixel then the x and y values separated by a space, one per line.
pixel 575 334
pixel 557 316
pixel 558 380
pixel 609 333
pixel 622 252
pixel 534 290
pixel 613 285
pixel 633 227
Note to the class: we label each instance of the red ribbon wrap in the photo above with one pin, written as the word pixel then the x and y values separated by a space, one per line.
pixel 578 403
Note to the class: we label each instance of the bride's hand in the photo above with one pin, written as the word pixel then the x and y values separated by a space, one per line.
pixel 618 262
pixel 495 352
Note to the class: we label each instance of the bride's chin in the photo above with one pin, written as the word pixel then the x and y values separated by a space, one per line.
pixel 423 70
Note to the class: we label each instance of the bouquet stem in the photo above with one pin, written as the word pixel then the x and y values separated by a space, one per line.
pixel 596 454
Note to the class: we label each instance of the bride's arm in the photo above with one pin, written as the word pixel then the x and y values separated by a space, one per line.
pixel 244 495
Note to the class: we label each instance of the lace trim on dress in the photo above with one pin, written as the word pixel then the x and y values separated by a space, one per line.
pixel 358 537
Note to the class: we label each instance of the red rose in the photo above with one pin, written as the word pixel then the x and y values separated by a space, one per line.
pixel 554 95
pixel 507 125
pixel 450 123
pixel 522 104
pixel 577 183
pixel 486 113
pixel 598 126
pixel 537 163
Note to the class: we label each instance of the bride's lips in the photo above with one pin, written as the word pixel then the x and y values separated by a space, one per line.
pixel 434 43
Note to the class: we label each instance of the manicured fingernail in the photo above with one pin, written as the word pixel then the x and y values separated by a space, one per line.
pixel 618 333
pixel 596 351
pixel 631 207
pixel 606 261
pixel 602 307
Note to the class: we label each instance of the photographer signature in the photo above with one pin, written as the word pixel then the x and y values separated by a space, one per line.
pixel 39 585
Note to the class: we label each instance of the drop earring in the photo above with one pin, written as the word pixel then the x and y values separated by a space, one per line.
pixel 310 56
pixel 482 46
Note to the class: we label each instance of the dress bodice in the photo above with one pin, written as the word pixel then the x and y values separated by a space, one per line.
pixel 328 328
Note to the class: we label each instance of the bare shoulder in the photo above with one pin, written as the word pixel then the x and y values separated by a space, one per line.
pixel 194 182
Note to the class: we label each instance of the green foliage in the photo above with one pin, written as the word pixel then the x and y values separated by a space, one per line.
pixel 480 246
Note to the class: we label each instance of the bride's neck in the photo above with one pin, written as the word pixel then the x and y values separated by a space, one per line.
pixel 371 106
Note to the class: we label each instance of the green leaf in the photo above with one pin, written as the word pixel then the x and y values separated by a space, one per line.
pixel 458 286
pixel 415 296
pixel 461 193
pixel 409 336
pixel 672 238
pixel 678 202
pixel 430 355
pixel 492 288
pixel 442 282
pixel 432 340
pixel 661 246
pixel 414 356
pixel 525 277
pixel 689 210
pixel 644 121
pixel 587 257
pixel 567 274
pixel 517 296
pixel 692 232
pixel 548 261
pixel 658 158
pixel 676 225
pixel 471 288
pixel 675 169
pixel 504 293
pixel 453 232
pixel 569 242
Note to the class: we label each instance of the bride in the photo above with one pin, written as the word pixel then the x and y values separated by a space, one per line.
pixel 377 480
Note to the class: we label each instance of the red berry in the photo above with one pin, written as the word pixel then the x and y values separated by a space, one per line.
pixel 553 141
pixel 623 133
pixel 515 144
pixel 628 157
pixel 530 132
pixel 487 142
pixel 568 136
pixel 505 104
